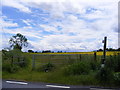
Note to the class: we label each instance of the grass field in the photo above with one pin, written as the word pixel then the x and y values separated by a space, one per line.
pixel 68 57
pixel 62 59
pixel 51 77
pixel 57 75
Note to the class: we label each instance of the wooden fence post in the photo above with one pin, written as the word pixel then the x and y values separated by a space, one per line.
pixel 33 62
pixel 95 56
pixel 80 57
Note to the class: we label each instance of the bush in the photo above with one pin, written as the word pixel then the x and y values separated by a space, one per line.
pixel 16 57
pixel 9 68
pixel 24 62
pixel 13 60
pixel 14 69
pixel 77 69
pixel 113 63
pixel 117 78
pixel 104 75
pixel 94 65
pixel 47 67
pixel 6 67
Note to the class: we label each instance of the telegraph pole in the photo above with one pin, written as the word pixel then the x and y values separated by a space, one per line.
pixel 104 51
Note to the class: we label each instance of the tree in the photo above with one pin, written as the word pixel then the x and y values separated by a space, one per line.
pixel 59 51
pixel 118 49
pixel 18 41
pixel 47 51
pixel 30 51
pixel 100 50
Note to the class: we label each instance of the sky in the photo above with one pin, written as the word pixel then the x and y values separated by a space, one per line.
pixel 60 25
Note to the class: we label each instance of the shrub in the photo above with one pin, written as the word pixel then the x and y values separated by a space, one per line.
pixel 24 62
pixel 13 60
pixel 16 57
pixel 47 67
pixel 117 78
pixel 94 65
pixel 113 62
pixel 6 67
pixel 104 75
pixel 112 65
pixel 14 69
pixel 9 68
pixel 76 69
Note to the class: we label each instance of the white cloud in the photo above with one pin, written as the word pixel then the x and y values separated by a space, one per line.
pixel 8 23
pixel 27 22
pixel 25 31
pixel 48 28
pixel 56 42
pixel 83 24
pixel 16 4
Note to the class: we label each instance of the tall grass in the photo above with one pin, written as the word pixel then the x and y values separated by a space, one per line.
pixel 77 69
pixel 74 72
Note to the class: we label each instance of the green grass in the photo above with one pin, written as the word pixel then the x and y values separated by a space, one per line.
pixel 51 77
pixel 57 75
pixel 60 59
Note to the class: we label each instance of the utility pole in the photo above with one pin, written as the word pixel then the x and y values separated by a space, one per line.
pixel 104 51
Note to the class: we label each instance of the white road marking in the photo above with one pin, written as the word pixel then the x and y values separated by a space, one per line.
pixel 17 82
pixel 57 86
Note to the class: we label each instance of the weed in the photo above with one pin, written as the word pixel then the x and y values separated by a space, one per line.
pixel 47 67
pixel 77 69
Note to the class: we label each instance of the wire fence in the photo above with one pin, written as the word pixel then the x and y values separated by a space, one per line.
pixel 60 59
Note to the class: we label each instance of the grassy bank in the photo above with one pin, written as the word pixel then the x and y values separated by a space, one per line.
pixel 51 77
pixel 82 72
pixel 56 77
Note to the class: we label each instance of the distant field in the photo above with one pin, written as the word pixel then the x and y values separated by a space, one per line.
pixel 62 59
pixel 98 53
pixel 67 58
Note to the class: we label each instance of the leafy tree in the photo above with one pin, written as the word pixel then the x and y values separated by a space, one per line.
pixel 111 49
pixel 100 50
pixel 59 52
pixel 30 51
pixel 18 41
pixel 47 51
pixel 118 49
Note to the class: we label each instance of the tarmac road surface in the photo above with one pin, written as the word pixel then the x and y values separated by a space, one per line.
pixel 11 84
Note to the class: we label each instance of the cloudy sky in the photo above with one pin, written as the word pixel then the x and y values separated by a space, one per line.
pixel 67 25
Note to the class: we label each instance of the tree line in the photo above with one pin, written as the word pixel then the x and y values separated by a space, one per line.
pixel 44 51
pixel 109 49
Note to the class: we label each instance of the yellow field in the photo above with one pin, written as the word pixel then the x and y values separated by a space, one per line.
pixel 109 53
pixel 98 53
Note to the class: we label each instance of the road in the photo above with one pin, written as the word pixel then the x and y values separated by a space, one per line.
pixel 37 85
